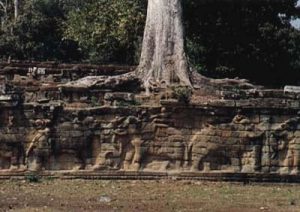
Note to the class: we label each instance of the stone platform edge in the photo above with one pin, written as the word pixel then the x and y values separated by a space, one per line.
pixel 121 175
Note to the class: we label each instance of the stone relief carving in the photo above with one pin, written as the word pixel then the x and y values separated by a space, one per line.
pixel 124 146
pixel 72 145
pixel 11 154
pixel 39 150
pixel 49 122
pixel 150 142
pixel 285 147
pixel 140 142
pixel 233 147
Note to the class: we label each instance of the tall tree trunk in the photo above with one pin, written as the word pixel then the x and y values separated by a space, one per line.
pixel 16 11
pixel 163 59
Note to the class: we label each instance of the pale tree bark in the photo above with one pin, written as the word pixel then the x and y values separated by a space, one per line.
pixel 163 59
pixel 16 9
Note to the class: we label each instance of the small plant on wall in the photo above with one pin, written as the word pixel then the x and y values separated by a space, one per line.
pixel 183 94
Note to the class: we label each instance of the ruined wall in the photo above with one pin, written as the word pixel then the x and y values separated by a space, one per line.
pixel 151 139
pixel 257 134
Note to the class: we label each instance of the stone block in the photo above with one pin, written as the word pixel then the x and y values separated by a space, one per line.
pixel 173 131
pixel 162 132
pixel 97 132
pixel 76 134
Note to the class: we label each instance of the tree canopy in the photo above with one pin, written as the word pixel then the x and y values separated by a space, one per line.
pixel 107 31
pixel 232 38
pixel 250 39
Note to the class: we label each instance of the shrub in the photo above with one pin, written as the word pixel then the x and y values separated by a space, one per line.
pixel 182 93
pixel 32 178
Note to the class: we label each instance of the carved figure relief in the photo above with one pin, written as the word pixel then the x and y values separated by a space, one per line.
pixel 39 149
pixel 126 145
pixel 232 147
pixel 145 138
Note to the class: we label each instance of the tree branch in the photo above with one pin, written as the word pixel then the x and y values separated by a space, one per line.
pixel 3 6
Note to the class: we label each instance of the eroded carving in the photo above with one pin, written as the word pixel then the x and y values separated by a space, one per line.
pixel 49 122
pixel 39 149
pixel 233 147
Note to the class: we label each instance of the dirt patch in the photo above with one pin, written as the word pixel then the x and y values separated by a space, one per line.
pixel 80 195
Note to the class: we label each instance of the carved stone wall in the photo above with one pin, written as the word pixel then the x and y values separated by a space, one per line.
pixel 151 139
pixel 258 134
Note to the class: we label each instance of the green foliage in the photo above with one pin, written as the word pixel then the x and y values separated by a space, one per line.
pixel 248 39
pixel 94 101
pixel 107 31
pixel 37 34
pixel 32 178
pixel 233 38
pixel 123 103
pixel 49 178
pixel 182 93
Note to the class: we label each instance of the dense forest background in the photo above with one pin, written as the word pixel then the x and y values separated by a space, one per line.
pixel 224 38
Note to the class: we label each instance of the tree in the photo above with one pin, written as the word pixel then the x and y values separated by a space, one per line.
pixel 233 38
pixel 5 6
pixel 37 33
pixel 163 59
pixel 107 31
pixel 247 39
pixel 4 14
pixel 16 9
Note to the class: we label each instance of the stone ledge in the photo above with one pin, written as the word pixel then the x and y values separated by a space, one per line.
pixel 121 175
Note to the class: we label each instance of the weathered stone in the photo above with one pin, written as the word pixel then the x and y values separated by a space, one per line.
pixel 292 89
pixel 256 131
pixel 76 134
